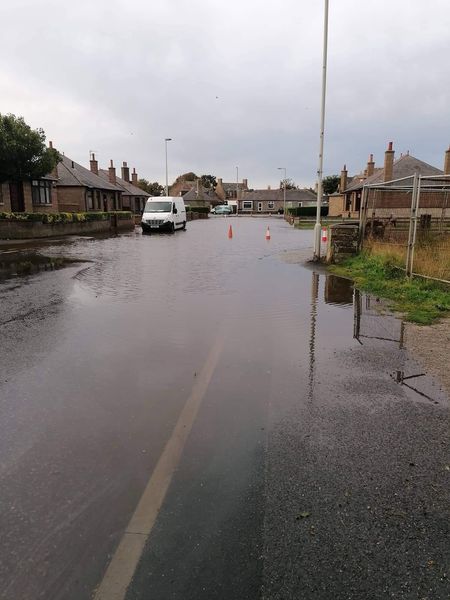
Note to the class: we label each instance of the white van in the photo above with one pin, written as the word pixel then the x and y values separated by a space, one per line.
pixel 163 213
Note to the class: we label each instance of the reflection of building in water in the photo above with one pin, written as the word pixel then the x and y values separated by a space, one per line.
pixel 370 323
pixel 338 290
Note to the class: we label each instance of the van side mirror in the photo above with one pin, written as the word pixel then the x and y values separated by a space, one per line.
pixel 175 211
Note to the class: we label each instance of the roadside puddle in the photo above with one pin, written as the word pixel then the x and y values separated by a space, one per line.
pixel 15 263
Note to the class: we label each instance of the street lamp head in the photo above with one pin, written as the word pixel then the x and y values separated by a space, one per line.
pixel 168 139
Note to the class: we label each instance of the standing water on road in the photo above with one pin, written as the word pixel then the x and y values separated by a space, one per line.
pixel 307 469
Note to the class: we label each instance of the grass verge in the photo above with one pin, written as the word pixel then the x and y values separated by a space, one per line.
pixel 420 301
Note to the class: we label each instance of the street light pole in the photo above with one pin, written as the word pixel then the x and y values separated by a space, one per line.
pixel 237 190
pixel 322 130
pixel 167 171
pixel 284 190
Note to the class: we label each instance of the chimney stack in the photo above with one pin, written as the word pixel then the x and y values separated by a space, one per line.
pixel 447 162
pixel 389 163
pixel 370 166
pixel 134 177
pixel 112 174
pixel 94 164
pixel 125 172
pixel 245 183
pixel 343 184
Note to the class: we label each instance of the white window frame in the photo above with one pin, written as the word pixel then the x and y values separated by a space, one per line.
pixel 245 204
pixel 270 204
pixel 260 206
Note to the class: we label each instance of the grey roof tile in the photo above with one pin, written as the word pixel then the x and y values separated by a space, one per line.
pixel 71 173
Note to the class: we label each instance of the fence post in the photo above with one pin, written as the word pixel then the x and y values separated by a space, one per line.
pixel 411 224
pixel 416 216
pixel 362 217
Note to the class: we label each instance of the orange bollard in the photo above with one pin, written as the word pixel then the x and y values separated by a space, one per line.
pixel 230 232
pixel 268 233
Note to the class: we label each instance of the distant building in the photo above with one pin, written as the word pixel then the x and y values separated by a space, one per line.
pixel 272 200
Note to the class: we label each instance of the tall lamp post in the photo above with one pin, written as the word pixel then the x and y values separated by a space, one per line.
pixel 284 190
pixel 237 190
pixel 167 170
pixel 322 129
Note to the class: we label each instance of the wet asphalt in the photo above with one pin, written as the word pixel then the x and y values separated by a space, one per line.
pixel 309 472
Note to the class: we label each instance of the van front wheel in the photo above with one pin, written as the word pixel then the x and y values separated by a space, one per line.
pixel 184 226
pixel 172 228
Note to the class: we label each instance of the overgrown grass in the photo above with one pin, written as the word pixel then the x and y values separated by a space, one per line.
pixel 420 301
pixel 431 255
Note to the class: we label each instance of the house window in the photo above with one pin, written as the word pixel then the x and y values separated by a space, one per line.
pixel 259 206
pixel 300 204
pixel 90 202
pixel 271 205
pixel 99 201
pixel 247 205
pixel 41 191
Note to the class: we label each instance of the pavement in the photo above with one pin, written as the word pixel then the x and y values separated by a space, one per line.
pixel 194 417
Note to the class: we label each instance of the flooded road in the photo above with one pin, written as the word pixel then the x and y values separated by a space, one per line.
pixel 263 394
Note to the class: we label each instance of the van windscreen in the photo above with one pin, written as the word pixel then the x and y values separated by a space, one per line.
pixel 157 207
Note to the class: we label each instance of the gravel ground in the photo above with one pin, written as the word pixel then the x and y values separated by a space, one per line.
pixel 430 346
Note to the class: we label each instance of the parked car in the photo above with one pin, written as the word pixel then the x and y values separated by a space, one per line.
pixel 222 209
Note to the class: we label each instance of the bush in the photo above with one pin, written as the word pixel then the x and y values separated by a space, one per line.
pixel 64 217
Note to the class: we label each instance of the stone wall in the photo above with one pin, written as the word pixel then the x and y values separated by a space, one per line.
pixel 343 241
pixel 23 230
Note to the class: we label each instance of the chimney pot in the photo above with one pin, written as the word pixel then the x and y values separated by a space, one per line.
pixel 447 162
pixel 134 177
pixel 93 164
pixel 389 163
pixel 370 166
pixel 112 173
pixel 50 144
pixel 125 172
pixel 343 182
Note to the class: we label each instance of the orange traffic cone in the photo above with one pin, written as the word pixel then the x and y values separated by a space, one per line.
pixel 230 232
pixel 268 233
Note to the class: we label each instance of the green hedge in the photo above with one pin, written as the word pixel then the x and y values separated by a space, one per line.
pixel 198 209
pixel 307 211
pixel 64 217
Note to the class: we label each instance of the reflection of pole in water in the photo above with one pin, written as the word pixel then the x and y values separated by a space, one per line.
pixel 312 339
pixel 357 309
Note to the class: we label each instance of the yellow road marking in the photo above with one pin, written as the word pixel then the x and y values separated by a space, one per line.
pixel 123 565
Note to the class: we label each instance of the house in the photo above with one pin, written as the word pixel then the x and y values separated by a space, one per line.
pixel 38 195
pixel 198 195
pixel 81 189
pixel 272 201
pixel 133 197
pixel 230 191
pixel 348 201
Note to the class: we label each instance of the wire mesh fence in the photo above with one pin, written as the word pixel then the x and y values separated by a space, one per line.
pixel 409 219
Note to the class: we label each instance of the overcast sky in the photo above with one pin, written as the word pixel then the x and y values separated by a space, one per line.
pixel 234 83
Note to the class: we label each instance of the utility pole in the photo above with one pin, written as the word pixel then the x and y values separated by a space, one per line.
pixel 284 190
pixel 317 227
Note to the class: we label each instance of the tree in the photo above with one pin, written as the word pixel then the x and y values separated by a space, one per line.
pixel 290 184
pixel 23 153
pixel 209 182
pixel 330 184
pixel 154 189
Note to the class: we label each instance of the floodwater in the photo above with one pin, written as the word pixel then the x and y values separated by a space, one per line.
pixel 310 467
